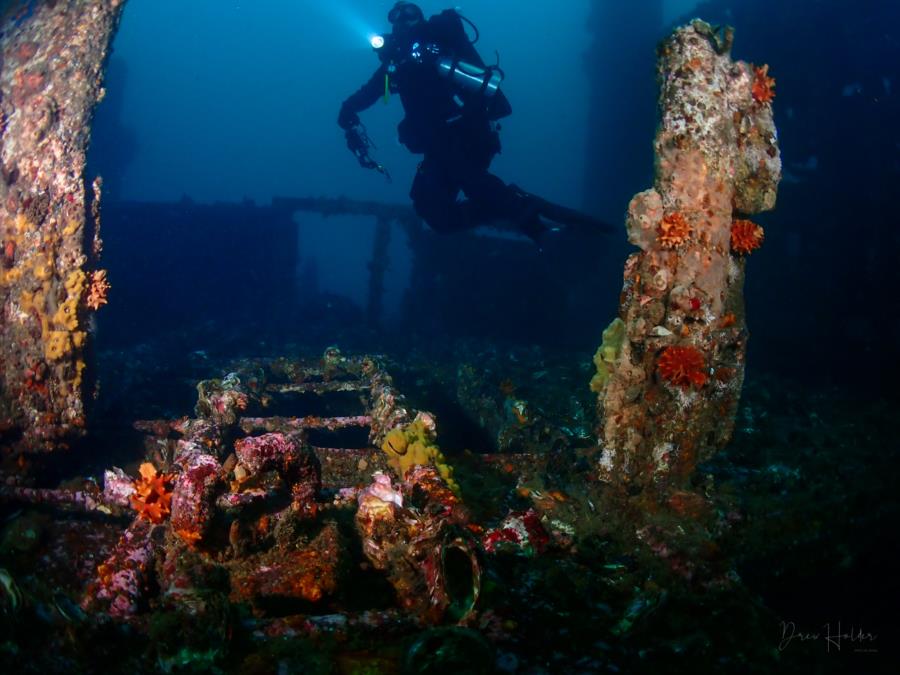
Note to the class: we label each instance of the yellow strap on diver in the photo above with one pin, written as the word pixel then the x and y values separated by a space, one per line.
pixel 387 87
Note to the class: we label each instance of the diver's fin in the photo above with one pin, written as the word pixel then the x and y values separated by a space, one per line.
pixel 564 215
pixel 536 230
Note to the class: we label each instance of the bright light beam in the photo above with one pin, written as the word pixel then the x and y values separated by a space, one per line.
pixel 350 19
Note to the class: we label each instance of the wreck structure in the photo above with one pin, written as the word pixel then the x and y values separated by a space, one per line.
pixel 51 77
pixel 249 497
pixel 253 485
pixel 671 366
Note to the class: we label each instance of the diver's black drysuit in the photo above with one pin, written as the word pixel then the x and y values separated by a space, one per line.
pixel 454 129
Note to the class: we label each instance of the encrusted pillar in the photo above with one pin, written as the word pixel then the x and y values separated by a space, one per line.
pixel 53 55
pixel 671 367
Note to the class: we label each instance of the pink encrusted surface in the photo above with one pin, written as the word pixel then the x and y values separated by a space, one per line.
pixel 122 579
pixel 192 497
pixel 675 377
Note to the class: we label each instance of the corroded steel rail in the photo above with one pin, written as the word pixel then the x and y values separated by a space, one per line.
pixel 294 424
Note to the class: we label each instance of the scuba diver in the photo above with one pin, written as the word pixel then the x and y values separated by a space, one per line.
pixel 453 103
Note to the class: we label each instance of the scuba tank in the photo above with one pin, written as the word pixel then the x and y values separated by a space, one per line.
pixel 463 67
pixel 471 77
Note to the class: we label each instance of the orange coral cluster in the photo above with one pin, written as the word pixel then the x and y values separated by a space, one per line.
pixel 763 86
pixel 98 290
pixel 683 367
pixel 746 236
pixel 153 494
pixel 674 230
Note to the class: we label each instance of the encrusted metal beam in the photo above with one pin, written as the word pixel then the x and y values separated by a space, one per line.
pixel 294 424
pixel 51 76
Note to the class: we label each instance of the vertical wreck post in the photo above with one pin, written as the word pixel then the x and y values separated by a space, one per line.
pixel 671 367
pixel 52 56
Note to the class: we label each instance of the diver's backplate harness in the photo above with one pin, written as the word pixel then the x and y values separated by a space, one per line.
pixel 467 77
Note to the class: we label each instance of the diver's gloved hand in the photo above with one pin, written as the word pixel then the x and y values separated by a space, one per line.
pixel 356 141
pixel 347 119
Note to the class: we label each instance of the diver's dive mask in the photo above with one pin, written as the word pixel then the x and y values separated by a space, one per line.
pixel 404 16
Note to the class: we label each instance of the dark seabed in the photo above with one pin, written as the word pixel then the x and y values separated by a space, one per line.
pixel 348 443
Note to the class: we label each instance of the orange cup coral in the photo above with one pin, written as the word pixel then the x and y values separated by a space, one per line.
pixel 153 494
pixel 763 88
pixel 674 230
pixel 746 236
pixel 683 367
pixel 98 290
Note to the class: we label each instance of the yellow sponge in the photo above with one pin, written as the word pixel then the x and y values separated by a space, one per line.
pixel 415 444
pixel 57 345
pixel 607 353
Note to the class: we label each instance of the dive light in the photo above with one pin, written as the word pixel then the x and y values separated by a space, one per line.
pixel 377 42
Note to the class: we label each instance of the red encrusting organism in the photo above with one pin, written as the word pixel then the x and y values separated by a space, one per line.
pixel 746 236
pixel 763 86
pixel 674 230
pixel 683 367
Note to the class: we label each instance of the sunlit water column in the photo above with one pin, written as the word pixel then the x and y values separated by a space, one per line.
pixel 671 367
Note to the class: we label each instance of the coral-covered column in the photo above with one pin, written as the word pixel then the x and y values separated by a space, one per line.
pixel 51 65
pixel 671 367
